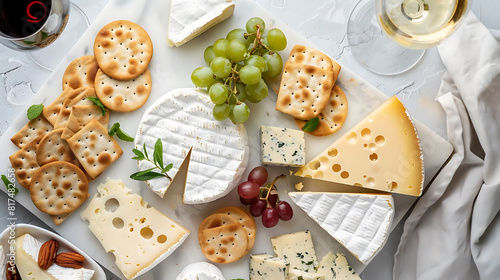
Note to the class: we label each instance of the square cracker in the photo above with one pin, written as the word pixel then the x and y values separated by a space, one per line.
pixel 94 148
pixel 304 90
pixel 78 97
pixel 32 130
pixel 80 116
pixel 51 111
pixel 24 162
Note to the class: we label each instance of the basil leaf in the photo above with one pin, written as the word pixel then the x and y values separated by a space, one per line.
pixel 311 125
pixel 158 153
pixel 113 129
pixel 144 176
pixel 139 154
pixel 167 168
pixel 124 136
pixel 34 111
pixel 98 103
pixel 145 151
pixel 9 185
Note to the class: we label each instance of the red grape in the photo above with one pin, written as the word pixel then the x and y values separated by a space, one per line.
pixel 258 175
pixel 248 190
pixel 270 217
pixel 272 199
pixel 258 207
pixel 248 201
pixel 285 211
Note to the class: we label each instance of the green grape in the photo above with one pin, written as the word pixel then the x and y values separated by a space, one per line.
pixel 276 40
pixel 257 92
pixel 274 65
pixel 202 77
pixel 221 112
pixel 209 54
pixel 218 93
pixel 239 34
pixel 250 74
pixel 240 113
pixel 257 61
pixel 221 67
pixel 241 92
pixel 251 25
pixel 236 50
pixel 220 47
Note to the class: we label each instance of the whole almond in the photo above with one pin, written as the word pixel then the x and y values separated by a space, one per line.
pixel 47 254
pixel 73 260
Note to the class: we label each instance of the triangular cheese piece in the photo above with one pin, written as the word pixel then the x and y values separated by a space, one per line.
pixel 360 222
pixel 189 19
pixel 382 152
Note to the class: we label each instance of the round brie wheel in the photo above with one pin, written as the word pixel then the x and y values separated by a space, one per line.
pixel 201 271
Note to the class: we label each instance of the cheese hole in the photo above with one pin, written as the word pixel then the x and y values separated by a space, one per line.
pixel 336 167
pixel 333 152
pixel 314 165
pixel 380 140
pixel 357 185
pixel 146 233
pixel 97 211
pixel 118 223
pixel 352 137
pixel 142 220
pixel 344 174
pixel 370 181
pixel 393 185
pixel 372 146
pixel 373 157
pixel 161 238
pixel 144 204
pixel 366 133
pixel 318 175
pixel 111 205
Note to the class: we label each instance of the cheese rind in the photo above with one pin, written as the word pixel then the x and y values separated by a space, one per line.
pixel 381 152
pixel 190 18
pixel 296 274
pixel 139 236
pixel 265 266
pixel 360 222
pixel 282 146
pixel 296 249
pixel 200 271
pixel 336 267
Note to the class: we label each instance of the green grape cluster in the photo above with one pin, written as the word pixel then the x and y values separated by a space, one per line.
pixel 237 66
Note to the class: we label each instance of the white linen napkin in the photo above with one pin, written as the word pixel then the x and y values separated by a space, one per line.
pixel 454 230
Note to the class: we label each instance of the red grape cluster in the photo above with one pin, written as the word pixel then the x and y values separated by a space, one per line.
pixel 264 201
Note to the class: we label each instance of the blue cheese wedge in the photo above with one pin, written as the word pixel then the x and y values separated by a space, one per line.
pixel 200 271
pixel 296 274
pixel 336 267
pixel 297 250
pixel 282 146
pixel 265 266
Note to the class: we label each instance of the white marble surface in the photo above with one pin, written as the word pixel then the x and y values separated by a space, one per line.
pixel 324 24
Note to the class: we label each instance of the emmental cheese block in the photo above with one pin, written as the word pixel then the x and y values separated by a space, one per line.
pixel 382 152
pixel 190 18
pixel 336 267
pixel 297 250
pixel 360 222
pixel 138 235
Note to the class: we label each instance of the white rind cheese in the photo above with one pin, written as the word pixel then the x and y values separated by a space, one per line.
pixel 263 267
pixel 360 222
pixel 200 271
pixel 217 151
pixel 296 274
pixel 190 18
pixel 282 146
pixel 297 250
pixel 336 267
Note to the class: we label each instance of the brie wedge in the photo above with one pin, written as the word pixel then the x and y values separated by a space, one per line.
pixel 190 18
pixel 200 271
pixel 360 222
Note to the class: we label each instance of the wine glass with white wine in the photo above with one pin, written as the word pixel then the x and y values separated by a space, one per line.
pixel 390 36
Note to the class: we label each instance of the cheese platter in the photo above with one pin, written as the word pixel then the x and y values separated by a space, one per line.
pixel 209 158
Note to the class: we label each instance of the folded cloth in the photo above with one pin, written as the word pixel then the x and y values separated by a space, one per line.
pixel 454 230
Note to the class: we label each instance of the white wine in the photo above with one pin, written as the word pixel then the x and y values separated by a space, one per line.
pixel 420 24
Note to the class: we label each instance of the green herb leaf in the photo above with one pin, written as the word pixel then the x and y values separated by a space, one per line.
pixel 113 129
pixel 158 153
pixel 311 125
pixel 167 168
pixel 44 35
pixel 9 185
pixel 98 103
pixel 144 176
pixel 139 154
pixel 124 136
pixel 28 42
pixel 34 111
pixel 145 151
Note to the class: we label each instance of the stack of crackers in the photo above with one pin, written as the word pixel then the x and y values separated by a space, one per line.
pixel 68 145
pixel 227 235
pixel 307 90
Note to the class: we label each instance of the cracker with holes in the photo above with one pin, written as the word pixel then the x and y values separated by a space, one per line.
pixel 51 111
pixel 333 116
pixel 77 98
pixel 24 162
pixel 309 56
pixel 224 244
pixel 94 148
pixel 80 116
pixel 246 221
pixel 80 73
pixel 123 96
pixel 53 148
pixel 58 188
pixel 123 50
pixel 32 130
pixel 304 90
pixel 59 219
pixel 213 221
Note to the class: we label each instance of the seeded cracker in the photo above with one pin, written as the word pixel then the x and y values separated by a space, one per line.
pixel 24 163
pixel 245 219
pixel 51 111
pixel 32 130
pixel 78 97
pixel 80 73
pixel 80 116
pixel 224 244
pixel 123 50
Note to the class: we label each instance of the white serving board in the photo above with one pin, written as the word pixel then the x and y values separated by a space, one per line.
pixel 171 68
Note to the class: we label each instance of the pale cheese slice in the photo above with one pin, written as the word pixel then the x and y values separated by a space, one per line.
pixel 190 18
pixel 296 274
pixel 360 222
pixel 263 267
pixel 297 250
pixel 382 152
pixel 336 267
pixel 138 235
pixel 200 271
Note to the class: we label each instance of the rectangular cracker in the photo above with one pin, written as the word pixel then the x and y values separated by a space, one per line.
pixel 32 130
pixel 51 111
pixel 79 98
pixel 24 162
pixel 80 116
pixel 94 148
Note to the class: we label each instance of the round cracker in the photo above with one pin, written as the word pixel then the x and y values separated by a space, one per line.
pixel 80 73
pixel 213 221
pixel 224 244
pixel 245 219
pixel 52 148
pixel 123 96
pixel 123 49
pixel 58 188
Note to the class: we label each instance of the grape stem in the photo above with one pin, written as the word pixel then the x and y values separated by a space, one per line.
pixel 257 43
pixel 270 187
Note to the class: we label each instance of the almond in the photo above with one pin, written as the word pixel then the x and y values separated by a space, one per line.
pixel 47 254
pixel 73 260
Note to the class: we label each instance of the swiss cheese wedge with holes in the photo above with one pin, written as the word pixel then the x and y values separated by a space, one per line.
pixel 138 235
pixel 382 152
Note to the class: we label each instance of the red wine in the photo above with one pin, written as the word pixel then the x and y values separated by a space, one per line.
pixel 23 18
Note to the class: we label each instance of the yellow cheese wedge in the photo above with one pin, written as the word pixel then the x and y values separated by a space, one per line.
pixel 382 152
